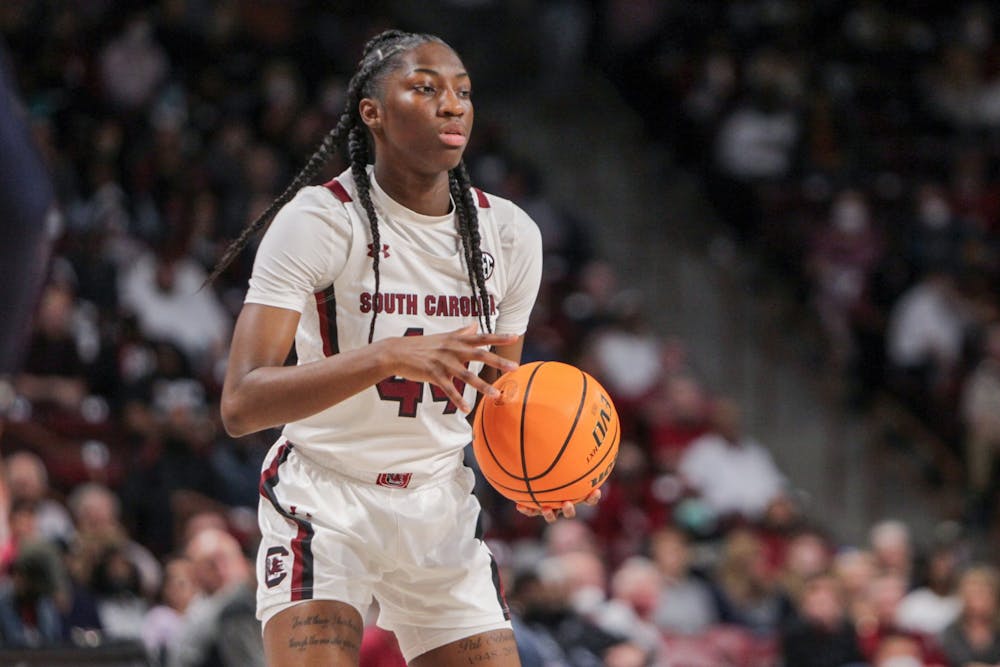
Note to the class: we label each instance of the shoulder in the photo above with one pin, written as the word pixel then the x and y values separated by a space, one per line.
pixel 512 223
pixel 320 200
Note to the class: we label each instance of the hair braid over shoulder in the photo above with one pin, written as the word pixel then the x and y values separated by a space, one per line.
pixel 467 216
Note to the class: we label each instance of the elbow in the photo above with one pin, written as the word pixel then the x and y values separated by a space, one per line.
pixel 234 418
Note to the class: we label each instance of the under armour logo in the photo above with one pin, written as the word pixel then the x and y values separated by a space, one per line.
pixel 371 250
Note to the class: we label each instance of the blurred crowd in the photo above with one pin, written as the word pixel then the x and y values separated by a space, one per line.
pixel 168 126
pixel 854 147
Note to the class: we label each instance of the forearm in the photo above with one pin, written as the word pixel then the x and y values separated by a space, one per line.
pixel 274 395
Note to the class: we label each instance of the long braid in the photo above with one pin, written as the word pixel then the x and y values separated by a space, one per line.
pixel 358 147
pixel 468 229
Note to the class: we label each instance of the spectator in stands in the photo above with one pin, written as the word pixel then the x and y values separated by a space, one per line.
pixel 221 627
pixel 900 650
pixel 164 291
pixel 562 632
pixel 821 634
pixel 163 622
pixel 626 355
pixel 29 615
pixel 569 536
pixel 133 65
pixel 28 480
pixel 924 336
pixel 674 417
pixel 840 264
pixel 54 372
pixel 936 236
pixel 892 548
pixel 635 592
pixel 935 605
pixel 981 418
pixel 686 605
pixel 855 569
pixel 806 555
pixel 885 594
pixel 734 474
pixel 630 508
pixel 756 142
pixel 745 590
pixel 96 511
pixel 974 638
pixel 115 583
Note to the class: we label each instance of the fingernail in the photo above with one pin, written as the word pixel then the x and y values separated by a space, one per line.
pixel 510 366
pixel 493 392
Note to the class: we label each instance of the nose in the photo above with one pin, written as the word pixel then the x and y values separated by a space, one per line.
pixel 451 103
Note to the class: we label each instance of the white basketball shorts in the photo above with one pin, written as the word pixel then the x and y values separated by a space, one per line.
pixel 412 544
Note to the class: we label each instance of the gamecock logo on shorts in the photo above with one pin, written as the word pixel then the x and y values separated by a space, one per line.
pixel 274 566
pixel 394 480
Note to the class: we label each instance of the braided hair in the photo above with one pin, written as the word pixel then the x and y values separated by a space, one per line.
pixel 380 56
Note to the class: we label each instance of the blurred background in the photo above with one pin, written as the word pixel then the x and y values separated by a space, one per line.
pixel 771 229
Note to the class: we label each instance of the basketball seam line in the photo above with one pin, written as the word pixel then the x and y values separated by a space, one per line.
pixel 607 451
pixel 524 409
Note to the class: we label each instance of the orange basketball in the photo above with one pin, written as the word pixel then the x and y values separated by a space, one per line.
pixel 551 436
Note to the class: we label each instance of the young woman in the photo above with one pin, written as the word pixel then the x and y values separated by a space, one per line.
pixel 405 291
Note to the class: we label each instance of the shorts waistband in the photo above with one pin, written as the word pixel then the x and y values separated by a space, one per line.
pixel 390 479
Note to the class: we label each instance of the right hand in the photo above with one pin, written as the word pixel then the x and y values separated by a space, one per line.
pixel 441 358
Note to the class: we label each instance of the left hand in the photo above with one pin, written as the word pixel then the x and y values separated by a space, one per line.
pixel 568 509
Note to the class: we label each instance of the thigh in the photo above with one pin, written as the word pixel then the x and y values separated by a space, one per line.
pixel 319 633
pixel 495 648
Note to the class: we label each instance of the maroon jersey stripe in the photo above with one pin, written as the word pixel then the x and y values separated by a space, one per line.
pixel 326 309
pixel 338 190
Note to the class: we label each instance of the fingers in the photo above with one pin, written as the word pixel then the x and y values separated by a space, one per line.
pixel 568 509
pixel 548 514
pixel 469 334
pixel 502 364
pixel 448 387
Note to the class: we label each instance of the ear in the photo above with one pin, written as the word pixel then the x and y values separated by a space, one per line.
pixel 371 113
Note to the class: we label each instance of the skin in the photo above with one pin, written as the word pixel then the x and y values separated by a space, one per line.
pixel 427 96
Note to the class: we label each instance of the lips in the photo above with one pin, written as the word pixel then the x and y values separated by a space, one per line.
pixel 453 134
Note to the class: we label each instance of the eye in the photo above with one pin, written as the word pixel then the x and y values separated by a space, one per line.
pixel 424 88
pixel 465 93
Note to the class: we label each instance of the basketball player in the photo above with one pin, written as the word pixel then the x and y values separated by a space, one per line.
pixel 405 291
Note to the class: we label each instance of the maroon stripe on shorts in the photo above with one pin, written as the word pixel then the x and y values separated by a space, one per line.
pixel 302 556
pixel 498 586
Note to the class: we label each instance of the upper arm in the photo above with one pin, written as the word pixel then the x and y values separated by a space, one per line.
pixel 303 250
pixel 263 337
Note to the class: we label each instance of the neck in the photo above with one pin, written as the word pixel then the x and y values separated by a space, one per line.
pixel 427 194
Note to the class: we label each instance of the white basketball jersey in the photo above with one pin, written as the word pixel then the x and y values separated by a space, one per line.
pixel 316 258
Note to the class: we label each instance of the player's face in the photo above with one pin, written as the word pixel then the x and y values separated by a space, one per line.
pixel 424 116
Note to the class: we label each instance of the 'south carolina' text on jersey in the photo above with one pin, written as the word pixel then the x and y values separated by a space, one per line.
pixel 434 305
